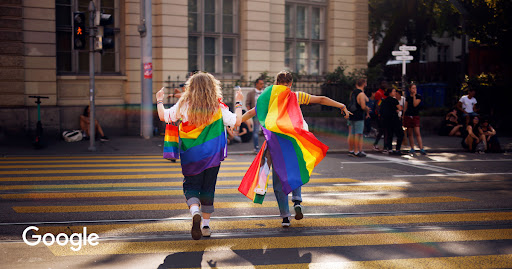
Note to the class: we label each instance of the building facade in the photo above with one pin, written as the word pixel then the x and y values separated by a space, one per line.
pixel 232 39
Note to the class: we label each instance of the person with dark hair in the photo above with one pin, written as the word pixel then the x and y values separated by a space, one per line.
pixel 391 122
pixel 473 135
pixel 493 144
pixel 412 118
pixel 284 145
pixel 85 123
pixel 356 121
pixel 451 125
pixel 467 105
pixel 250 103
pixel 379 97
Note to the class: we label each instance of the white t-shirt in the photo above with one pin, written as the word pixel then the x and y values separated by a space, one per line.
pixel 171 115
pixel 402 103
pixel 467 104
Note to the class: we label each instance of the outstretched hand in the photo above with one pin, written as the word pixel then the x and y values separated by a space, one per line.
pixel 160 94
pixel 345 113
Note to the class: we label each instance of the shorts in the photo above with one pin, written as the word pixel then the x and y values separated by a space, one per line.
pixel 411 121
pixel 471 114
pixel 357 126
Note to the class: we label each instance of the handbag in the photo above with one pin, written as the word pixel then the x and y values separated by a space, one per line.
pixel 171 141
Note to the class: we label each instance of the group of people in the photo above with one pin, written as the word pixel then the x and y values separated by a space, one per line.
pixel 464 121
pixel 204 118
pixel 390 111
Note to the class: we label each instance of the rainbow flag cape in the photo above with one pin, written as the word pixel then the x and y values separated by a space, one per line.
pixel 201 147
pixel 294 151
pixel 171 141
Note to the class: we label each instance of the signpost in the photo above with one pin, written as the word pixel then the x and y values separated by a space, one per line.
pixel 403 55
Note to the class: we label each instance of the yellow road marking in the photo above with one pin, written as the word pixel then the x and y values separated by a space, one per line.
pixel 145 176
pixel 183 206
pixel 83 157
pixel 128 170
pixel 109 177
pixel 65 195
pixel 150 184
pixel 463 262
pixel 78 165
pixel 373 239
pixel 242 224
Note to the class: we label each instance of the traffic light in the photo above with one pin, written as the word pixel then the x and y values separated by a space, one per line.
pixel 79 31
pixel 105 35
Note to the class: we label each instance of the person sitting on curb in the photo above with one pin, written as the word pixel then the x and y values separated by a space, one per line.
pixel 85 124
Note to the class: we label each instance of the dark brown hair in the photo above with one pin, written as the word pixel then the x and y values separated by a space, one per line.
pixel 283 77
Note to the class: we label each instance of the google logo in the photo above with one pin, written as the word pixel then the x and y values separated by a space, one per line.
pixel 77 240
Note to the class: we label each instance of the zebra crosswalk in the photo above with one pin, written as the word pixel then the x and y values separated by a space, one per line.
pixel 136 206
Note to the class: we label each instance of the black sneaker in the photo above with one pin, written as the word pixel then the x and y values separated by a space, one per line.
pixel 104 138
pixel 361 154
pixel 196 226
pixel 286 222
pixel 351 154
pixel 298 212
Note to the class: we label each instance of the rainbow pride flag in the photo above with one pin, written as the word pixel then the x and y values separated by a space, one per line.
pixel 255 182
pixel 202 147
pixel 171 141
pixel 294 151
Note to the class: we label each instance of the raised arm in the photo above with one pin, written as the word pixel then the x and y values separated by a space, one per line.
pixel 160 103
pixel 239 98
pixel 249 114
pixel 326 101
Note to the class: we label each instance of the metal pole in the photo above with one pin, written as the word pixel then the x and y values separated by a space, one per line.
pixel 403 75
pixel 92 125
pixel 147 70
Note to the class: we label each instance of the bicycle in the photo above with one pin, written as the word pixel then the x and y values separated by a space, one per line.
pixel 39 126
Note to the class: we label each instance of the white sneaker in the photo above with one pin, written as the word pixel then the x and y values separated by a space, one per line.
pixel 207 232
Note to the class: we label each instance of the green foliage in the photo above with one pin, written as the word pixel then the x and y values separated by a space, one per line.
pixel 341 76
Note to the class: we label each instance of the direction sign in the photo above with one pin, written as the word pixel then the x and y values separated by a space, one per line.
pixel 400 53
pixel 404 47
pixel 404 58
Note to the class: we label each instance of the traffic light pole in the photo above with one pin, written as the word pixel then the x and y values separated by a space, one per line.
pixel 146 35
pixel 92 125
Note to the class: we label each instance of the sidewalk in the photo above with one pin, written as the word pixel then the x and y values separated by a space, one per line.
pixel 134 145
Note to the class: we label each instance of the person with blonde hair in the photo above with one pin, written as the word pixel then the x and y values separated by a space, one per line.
pixel 203 143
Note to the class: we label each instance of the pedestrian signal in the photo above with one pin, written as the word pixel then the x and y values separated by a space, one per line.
pixel 79 37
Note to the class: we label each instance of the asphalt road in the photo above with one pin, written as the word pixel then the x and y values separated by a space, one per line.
pixel 443 210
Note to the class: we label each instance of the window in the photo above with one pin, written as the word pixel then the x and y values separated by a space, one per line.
pixel 70 61
pixel 442 53
pixel 213 36
pixel 304 32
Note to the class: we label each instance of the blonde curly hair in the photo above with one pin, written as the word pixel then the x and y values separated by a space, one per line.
pixel 202 94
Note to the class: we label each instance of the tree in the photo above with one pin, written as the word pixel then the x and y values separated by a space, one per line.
pixel 488 23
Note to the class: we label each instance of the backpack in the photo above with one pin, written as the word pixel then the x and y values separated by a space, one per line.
pixel 72 136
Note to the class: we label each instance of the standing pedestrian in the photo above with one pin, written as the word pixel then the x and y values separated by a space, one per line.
pixel 379 97
pixel 390 108
pixel 412 118
pixel 203 144
pixel 356 121
pixel 252 96
pixel 290 148
pixel 370 115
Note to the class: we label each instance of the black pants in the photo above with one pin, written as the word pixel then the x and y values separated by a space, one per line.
pixel 200 189
pixel 393 128
pixel 381 130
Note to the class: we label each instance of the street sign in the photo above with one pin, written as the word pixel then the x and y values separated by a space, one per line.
pixel 404 47
pixel 404 58
pixel 400 53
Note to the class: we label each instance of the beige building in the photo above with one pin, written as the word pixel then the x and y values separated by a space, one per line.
pixel 230 38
